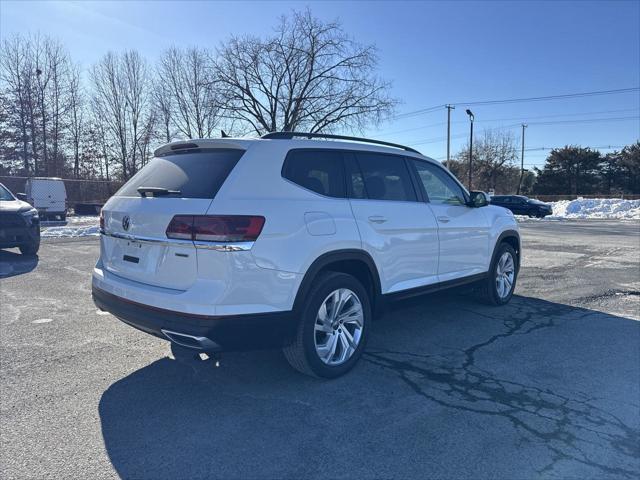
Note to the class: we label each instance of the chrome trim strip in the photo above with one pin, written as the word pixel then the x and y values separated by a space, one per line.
pixel 154 241
pixel 218 247
pixel 225 247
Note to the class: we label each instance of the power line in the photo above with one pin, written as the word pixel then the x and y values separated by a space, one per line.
pixel 519 100
pixel 597 147
pixel 521 118
pixel 556 122
pixel 587 120
pixel 556 97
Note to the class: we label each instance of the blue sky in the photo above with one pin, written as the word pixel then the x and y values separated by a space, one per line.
pixel 433 53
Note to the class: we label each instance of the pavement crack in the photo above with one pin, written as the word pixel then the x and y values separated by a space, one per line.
pixel 569 427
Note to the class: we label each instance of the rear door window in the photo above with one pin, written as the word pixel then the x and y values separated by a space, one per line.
pixel 386 177
pixel 320 171
pixel 197 174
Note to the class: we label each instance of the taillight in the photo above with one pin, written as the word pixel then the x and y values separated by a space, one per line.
pixel 215 228
pixel 181 227
pixel 101 221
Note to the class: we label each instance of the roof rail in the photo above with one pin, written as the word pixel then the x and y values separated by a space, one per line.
pixel 290 135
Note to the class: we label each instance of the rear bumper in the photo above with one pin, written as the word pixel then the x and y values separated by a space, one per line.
pixel 224 333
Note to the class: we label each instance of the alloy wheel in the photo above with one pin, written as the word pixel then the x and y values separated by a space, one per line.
pixel 338 327
pixel 505 275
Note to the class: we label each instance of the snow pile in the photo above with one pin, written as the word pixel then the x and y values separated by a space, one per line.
pixel 74 227
pixel 607 208
pixel 89 231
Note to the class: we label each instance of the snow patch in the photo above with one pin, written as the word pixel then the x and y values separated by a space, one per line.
pixel 604 208
pixel 74 227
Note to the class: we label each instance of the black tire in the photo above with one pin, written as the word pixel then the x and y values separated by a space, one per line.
pixel 30 248
pixel 487 289
pixel 301 353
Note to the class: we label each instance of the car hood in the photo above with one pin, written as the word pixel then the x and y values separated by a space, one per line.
pixel 498 210
pixel 14 206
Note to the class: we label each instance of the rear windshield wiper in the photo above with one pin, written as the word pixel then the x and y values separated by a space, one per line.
pixel 156 191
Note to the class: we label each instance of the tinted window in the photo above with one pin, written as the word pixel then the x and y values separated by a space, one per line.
pixel 318 170
pixel 385 177
pixel 440 187
pixel 500 200
pixel 5 194
pixel 195 174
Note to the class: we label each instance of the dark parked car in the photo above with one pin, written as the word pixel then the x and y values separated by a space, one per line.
pixel 19 224
pixel 521 205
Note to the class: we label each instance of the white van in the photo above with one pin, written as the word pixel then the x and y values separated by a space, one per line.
pixel 48 196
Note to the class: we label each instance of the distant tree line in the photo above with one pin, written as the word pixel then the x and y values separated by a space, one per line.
pixel 583 171
pixel 571 170
pixel 57 119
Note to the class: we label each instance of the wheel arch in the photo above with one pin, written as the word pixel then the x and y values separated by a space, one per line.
pixel 357 263
pixel 511 237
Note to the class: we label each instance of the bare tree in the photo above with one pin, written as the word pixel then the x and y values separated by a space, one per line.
pixel 14 66
pixel 58 63
pixel 163 106
pixel 310 75
pixel 186 84
pixel 35 76
pixel 121 86
pixel 137 86
pixel 76 116
pixel 494 158
pixel 110 103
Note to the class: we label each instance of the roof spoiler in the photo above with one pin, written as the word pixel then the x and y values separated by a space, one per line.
pixel 185 145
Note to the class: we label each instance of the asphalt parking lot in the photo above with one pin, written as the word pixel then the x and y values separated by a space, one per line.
pixel 546 387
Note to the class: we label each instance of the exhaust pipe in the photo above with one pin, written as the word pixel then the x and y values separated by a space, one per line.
pixel 191 341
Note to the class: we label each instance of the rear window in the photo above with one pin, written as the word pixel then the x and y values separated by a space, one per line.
pixel 318 170
pixel 193 174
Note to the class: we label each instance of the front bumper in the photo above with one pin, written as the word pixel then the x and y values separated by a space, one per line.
pixel 17 236
pixel 224 333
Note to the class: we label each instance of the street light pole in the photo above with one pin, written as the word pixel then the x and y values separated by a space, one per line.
pixel 521 160
pixel 471 118
pixel 449 108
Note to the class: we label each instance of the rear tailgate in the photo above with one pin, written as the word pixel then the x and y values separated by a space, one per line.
pixel 135 245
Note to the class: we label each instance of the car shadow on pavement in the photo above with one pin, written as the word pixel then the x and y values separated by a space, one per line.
pixel 14 263
pixel 447 388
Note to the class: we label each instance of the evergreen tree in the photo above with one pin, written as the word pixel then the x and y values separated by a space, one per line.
pixel 570 170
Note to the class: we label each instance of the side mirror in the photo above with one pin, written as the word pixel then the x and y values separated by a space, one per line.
pixel 22 196
pixel 478 199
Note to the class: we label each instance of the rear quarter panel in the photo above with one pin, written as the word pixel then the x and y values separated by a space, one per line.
pixel 300 225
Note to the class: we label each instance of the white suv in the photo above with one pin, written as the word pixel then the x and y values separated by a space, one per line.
pixel 292 241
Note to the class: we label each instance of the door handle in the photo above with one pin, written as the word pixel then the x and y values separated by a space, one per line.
pixel 377 219
pixel 443 219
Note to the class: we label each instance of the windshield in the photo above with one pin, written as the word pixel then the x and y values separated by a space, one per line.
pixel 5 194
pixel 197 174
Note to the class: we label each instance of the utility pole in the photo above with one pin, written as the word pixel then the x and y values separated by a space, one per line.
pixel 524 125
pixel 449 108
pixel 471 119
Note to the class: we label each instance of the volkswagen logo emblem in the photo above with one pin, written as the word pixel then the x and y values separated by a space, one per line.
pixel 126 222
